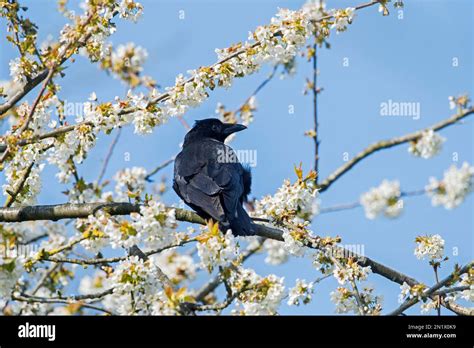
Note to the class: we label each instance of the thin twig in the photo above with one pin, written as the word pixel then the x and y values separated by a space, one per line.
pixel 109 155
pixel 160 167
pixel 30 299
pixel 357 204
pixel 315 112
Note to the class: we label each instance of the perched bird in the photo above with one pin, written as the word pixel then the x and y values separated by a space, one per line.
pixel 210 179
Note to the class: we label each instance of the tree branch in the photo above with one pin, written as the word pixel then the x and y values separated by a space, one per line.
pixel 24 90
pixel 68 211
pixel 430 292
pixel 386 144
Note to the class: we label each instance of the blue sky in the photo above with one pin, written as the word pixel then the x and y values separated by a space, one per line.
pixel 408 60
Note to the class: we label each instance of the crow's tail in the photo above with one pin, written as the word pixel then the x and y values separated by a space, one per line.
pixel 241 224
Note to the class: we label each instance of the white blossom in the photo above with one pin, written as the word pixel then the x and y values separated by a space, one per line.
pixel 93 284
pixel 276 252
pixel 263 295
pixel 350 271
pixel 156 224
pixel 300 293
pixel 427 306
pixel 298 200
pixel 408 292
pixel 342 18
pixel 292 245
pixel 383 199
pixel 176 266
pixel 453 189
pixel 10 272
pixel 131 56
pixel 467 279
pixel 26 161
pixel 130 181
pixel 429 246
pixel 75 144
pixel 428 145
pixel 130 9
pixel 138 277
pixel 216 249
pixel 346 302
pixel 9 89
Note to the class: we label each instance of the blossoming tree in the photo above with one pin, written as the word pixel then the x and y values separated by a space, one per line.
pixel 158 256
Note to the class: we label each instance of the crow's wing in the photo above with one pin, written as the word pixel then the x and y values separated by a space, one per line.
pixel 208 183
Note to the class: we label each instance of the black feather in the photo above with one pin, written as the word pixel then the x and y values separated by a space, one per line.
pixel 208 183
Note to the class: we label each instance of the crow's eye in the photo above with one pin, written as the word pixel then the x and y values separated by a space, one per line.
pixel 215 128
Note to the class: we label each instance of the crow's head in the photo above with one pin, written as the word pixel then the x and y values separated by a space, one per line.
pixel 212 128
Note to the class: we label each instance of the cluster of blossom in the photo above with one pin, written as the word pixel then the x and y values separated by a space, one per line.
pixel 93 284
pixel 258 295
pixel 323 262
pixel 294 242
pixel 80 192
pixel 31 154
pixel 25 163
pixel 27 231
pixel 23 68
pixel 245 112
pixel 130 9
pixel 342 18
pixel 177 267
pixel 350 271
pixel 138 109
pixel 431 247
pixel 300 293
pixel 87 32
pixel 216 249
pixel 10 271
pixel 292 203
pixel 427 306
pixel 346 302
pixel 428 145
pixel 8 89
pixel 409 292
pixel 95 229
pixel 453 189
pixel 276 252
pixel 467 279
pixel 95 32
pixel 147 115
pixel 383 199
pixel 136 288
pixel 154 226
pixel 157 224
pixel 74 146
pixel 130 183
pixel 126 63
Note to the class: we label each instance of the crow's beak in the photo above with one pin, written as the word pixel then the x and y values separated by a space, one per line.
pixel 233 128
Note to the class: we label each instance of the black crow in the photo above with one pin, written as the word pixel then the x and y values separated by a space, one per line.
pixel 210 179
